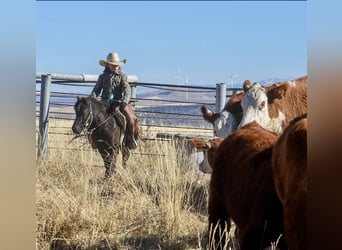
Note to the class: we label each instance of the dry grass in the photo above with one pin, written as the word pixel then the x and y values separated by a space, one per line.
pixel 158 202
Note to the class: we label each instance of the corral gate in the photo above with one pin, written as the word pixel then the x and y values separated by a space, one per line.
pixel 46 79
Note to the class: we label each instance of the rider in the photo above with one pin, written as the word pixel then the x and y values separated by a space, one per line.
pixel 114 86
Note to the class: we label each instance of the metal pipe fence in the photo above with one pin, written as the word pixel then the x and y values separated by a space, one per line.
pixel 155 104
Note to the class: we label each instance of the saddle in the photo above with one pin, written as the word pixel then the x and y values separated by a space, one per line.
pixel 129 128
pixel 119 118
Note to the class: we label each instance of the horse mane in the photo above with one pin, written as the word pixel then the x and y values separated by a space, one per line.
pixel 99 105
pixel 97 102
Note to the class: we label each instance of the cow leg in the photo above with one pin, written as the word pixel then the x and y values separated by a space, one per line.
pixel 219 224
pixel 251 237
pixel 254 234
pixel 295 233
pixel 264 225
pixel 261 236
pixel 125 155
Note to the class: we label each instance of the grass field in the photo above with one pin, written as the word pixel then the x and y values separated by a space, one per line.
pixel 158 202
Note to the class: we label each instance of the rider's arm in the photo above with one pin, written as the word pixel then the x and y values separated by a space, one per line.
pixel 98 87
pixel 126 95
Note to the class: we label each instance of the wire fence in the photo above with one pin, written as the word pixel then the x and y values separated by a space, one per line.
pixel 158 106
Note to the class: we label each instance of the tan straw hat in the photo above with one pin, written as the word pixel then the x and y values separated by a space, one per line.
pixel 112 58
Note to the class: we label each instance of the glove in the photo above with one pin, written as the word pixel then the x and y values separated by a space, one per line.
pixel 112 107
pixel 123 105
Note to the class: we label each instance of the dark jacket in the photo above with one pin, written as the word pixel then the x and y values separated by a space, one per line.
pixel 113 83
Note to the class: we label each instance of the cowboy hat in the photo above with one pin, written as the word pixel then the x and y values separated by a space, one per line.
pixel 112 58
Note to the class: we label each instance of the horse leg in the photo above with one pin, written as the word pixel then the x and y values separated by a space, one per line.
pixel 109 158
pixel 125 155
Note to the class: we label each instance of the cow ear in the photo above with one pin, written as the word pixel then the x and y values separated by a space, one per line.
pixel 278 93
pixel 200 143
pixel 208 145
pixel 194 142
pixel 246 85
pixel 283 90
pixel 206 112
pixel 78 98
pixel 215 143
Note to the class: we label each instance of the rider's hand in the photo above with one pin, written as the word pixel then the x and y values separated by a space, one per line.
pixel 123 105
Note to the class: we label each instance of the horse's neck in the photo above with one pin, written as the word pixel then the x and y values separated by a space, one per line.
pixel 100 114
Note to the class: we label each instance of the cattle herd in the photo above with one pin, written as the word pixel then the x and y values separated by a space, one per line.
pixel 257 163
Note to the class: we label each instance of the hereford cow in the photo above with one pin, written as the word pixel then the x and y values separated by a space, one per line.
pixel 228 119
pixel 241 186
pixel 209 148
pixel 275 106
pixel 285 101
pixel 290 178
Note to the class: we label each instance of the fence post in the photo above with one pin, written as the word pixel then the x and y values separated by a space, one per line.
pixel 220 96
pixel 133 93
pixel 44 116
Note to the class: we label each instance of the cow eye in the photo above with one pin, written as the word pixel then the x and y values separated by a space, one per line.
pixel 261 105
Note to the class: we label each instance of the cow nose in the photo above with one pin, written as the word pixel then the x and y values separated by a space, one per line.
pixel 205 167
pixel 200 165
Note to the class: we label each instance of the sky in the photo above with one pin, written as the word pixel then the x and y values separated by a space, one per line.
pixel 201 42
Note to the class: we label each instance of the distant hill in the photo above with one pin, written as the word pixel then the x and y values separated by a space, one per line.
pixel 270 81
pixel 165 105
pixel 174 96
pixel 187 104
pixel 174 108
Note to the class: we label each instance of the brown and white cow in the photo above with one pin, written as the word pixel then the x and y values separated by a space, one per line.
pixel 289 163
pixel 209 148
pixel 273 107
pixel 277 104
pixel 242 188
pixel 228 119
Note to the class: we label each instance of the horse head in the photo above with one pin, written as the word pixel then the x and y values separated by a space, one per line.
pixel 84 114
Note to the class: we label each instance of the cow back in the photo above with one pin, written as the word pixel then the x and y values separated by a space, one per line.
pixel 289 163
pixel 242 186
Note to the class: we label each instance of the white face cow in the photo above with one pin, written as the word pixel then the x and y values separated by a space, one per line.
pixel 255 108
pixel 225 124
pixel 204 165
pixel 209 149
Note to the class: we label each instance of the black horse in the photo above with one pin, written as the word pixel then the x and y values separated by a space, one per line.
pixel 95 120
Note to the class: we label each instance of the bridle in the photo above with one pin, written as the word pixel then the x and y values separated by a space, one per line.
pixel 88 121
pixel 86 132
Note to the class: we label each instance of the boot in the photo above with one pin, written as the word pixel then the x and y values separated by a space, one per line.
pixel 134 142
pixel 131 142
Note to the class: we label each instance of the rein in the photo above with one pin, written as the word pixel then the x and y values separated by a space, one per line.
pixel 88 123
pixel 101 123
